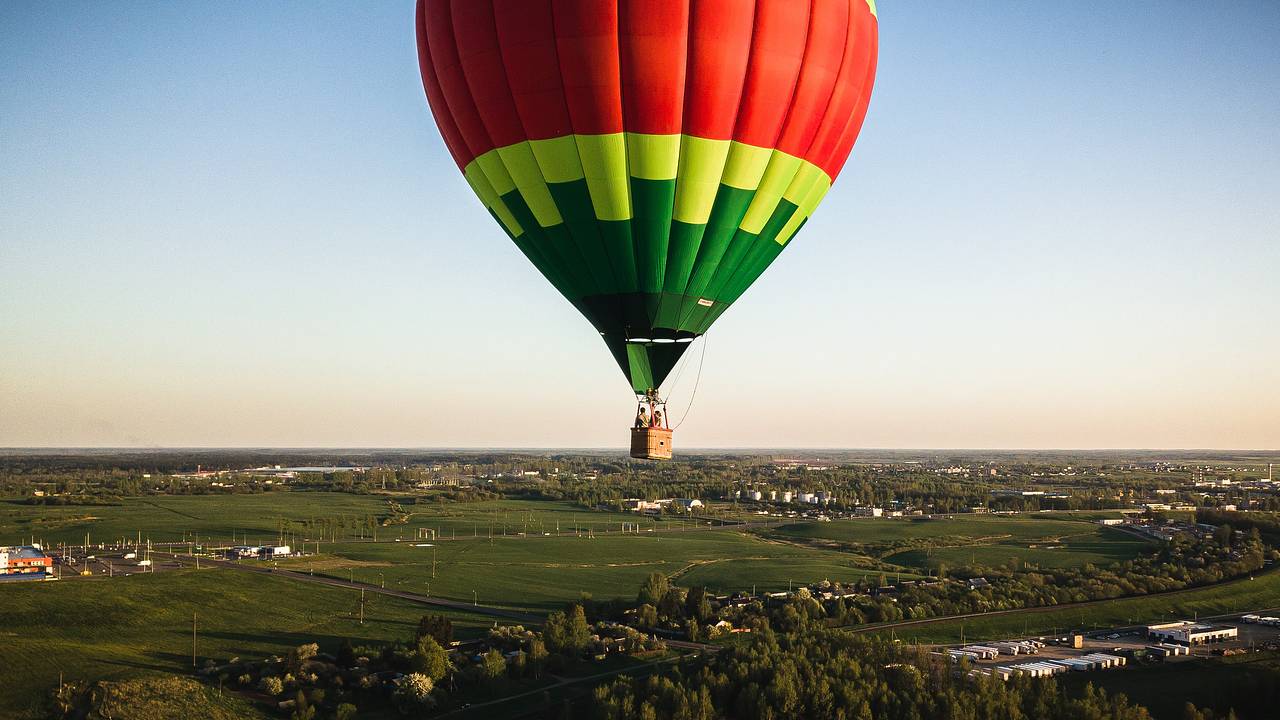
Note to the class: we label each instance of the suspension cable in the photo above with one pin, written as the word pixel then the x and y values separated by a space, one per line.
pixel 696 382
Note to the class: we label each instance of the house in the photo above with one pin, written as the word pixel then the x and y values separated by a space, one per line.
pixel 978 583
pixel 24 562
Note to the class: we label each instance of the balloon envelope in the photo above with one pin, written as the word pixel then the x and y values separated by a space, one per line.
pixel 650 157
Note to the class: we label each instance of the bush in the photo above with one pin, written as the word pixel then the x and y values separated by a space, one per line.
pixel 415 689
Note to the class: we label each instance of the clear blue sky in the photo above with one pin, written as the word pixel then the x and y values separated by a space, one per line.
pixel 235 224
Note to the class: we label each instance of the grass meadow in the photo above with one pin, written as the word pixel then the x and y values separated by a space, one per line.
pixel 542 573
pixel 122 627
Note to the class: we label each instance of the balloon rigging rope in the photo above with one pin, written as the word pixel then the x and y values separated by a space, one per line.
pixel 696 382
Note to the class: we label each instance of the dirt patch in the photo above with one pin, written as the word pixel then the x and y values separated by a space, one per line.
pixel 332 563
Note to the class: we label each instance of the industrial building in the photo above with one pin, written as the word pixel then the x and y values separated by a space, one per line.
pixel 265 552
pixel 1186 632
pixel 24 562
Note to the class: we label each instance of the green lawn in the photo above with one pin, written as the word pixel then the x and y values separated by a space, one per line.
pixel 219 518
pixel 870 531
pixel 544 572
pixel 1097 545
pixel 100 628
pixel 165 518
pixel 1042 540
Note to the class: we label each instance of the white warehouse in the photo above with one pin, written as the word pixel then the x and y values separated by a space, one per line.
pixel 1185 632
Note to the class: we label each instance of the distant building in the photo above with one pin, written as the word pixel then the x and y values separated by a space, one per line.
pixel 274 551
pixel 1186 632
pixel 641 506
pixel 24 562
pixel 869 512
pixel 687 503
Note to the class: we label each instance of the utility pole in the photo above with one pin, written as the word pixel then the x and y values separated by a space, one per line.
pixel 361 606
pixel 193 639
pixel 433 563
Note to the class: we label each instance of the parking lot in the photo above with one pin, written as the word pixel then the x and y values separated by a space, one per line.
pixel 1133 644
pixel 110 563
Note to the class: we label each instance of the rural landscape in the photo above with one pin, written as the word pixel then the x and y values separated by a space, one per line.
pixel 639 360
pixel 379 583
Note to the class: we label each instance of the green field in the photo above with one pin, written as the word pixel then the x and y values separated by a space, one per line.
pixel 888 530
pixel 539 554
pixel 1043 540
pixel 220 518
pixel 1097 545
pixel 1260 592
pixel 510 553
pixel 118 628
pixel 542 573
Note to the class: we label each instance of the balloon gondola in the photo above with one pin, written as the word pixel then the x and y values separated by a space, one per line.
pixel 651 158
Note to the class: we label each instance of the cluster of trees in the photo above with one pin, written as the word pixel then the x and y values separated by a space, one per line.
pixel 1185 561
pixel 421 674
pixel 817 672
pixel 659 604
pixel 1266 523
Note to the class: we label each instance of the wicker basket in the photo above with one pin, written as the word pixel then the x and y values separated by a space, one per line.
pixel 651 443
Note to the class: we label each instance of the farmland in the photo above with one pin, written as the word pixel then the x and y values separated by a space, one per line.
pixel 124 627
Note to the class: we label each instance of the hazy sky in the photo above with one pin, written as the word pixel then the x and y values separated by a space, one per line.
pixel 234 223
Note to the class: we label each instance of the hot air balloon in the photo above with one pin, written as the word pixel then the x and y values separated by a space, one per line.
pixel 651 158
